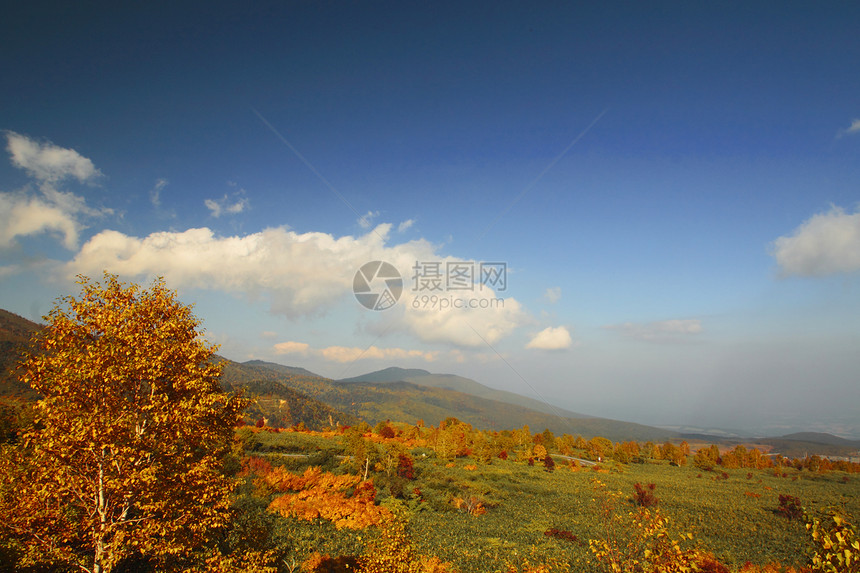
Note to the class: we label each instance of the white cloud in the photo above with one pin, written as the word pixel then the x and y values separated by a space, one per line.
pixel 365 221
pixel 405 225
pixel 302 274
pixel 52 211
pixel 552 295
pixel 155 193
pixel 828 243
pixel 269 334
pixel 851 129
pixel 662 331
pixel 474 319
pixel 225 205
pixel 551 338
pixel 351 354
pixel 47 162
pixel 22 215
pixel 292 348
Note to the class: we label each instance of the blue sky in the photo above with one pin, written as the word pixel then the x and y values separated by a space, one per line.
pixel 673 188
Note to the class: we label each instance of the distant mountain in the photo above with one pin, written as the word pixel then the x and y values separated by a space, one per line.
pixel 392 374
pixel 280 368
pixel 278 404
pixel 407 401
pixel 801 444
pixel 821 438
pixel 460 384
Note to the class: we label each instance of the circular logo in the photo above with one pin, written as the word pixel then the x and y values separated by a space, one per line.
pixel 377 285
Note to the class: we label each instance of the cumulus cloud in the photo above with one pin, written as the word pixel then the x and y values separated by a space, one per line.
pixel 662 331
pixel 50 210
pixel 551 338
pixel 225 205
pixel 826 244
pixel 351 354
pixel 405 225
pixel 22 215
pixel 473 319
pixel 292 348
pixel 48 162
pixel 552 295
pixel 304 274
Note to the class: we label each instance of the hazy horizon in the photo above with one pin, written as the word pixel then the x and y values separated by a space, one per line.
pixel 642 212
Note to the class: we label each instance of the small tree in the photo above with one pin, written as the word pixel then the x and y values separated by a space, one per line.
pixel 123 459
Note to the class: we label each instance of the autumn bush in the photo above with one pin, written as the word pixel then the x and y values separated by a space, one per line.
pixel 392 551
pixel 789 507
pixel 562 534
pixel 643 495
pixel 316 494
pixel 837 545
pixel 641 542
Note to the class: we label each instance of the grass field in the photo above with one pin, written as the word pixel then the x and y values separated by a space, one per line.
pixel 734 516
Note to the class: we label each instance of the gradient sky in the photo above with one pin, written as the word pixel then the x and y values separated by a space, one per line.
pixel 673 187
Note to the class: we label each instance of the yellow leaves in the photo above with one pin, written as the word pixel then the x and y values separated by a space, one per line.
pixel 130 407
pixel 471 505
pixel 322 495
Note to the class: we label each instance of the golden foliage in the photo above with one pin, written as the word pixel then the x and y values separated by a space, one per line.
pixel 837 546
pixel 393 552
pixel 124 455
pixel 319 494
pixel 471 505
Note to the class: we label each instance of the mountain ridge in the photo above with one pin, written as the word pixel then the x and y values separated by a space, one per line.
pixel 460 384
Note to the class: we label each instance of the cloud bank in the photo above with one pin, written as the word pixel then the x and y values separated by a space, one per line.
pixel 302 274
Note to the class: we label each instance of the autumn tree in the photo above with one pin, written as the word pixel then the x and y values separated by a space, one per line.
pixel 122 463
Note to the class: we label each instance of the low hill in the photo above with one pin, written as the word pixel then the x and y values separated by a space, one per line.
pixel 392 374
pixel 280 368
pixel 821 438
pixel 461 384
pixel 802 444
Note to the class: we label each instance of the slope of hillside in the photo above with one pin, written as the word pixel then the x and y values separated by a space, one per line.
pixel 275 401
pixel 280 368
pixel 406 401
pixel 461 384
pixel 15 335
